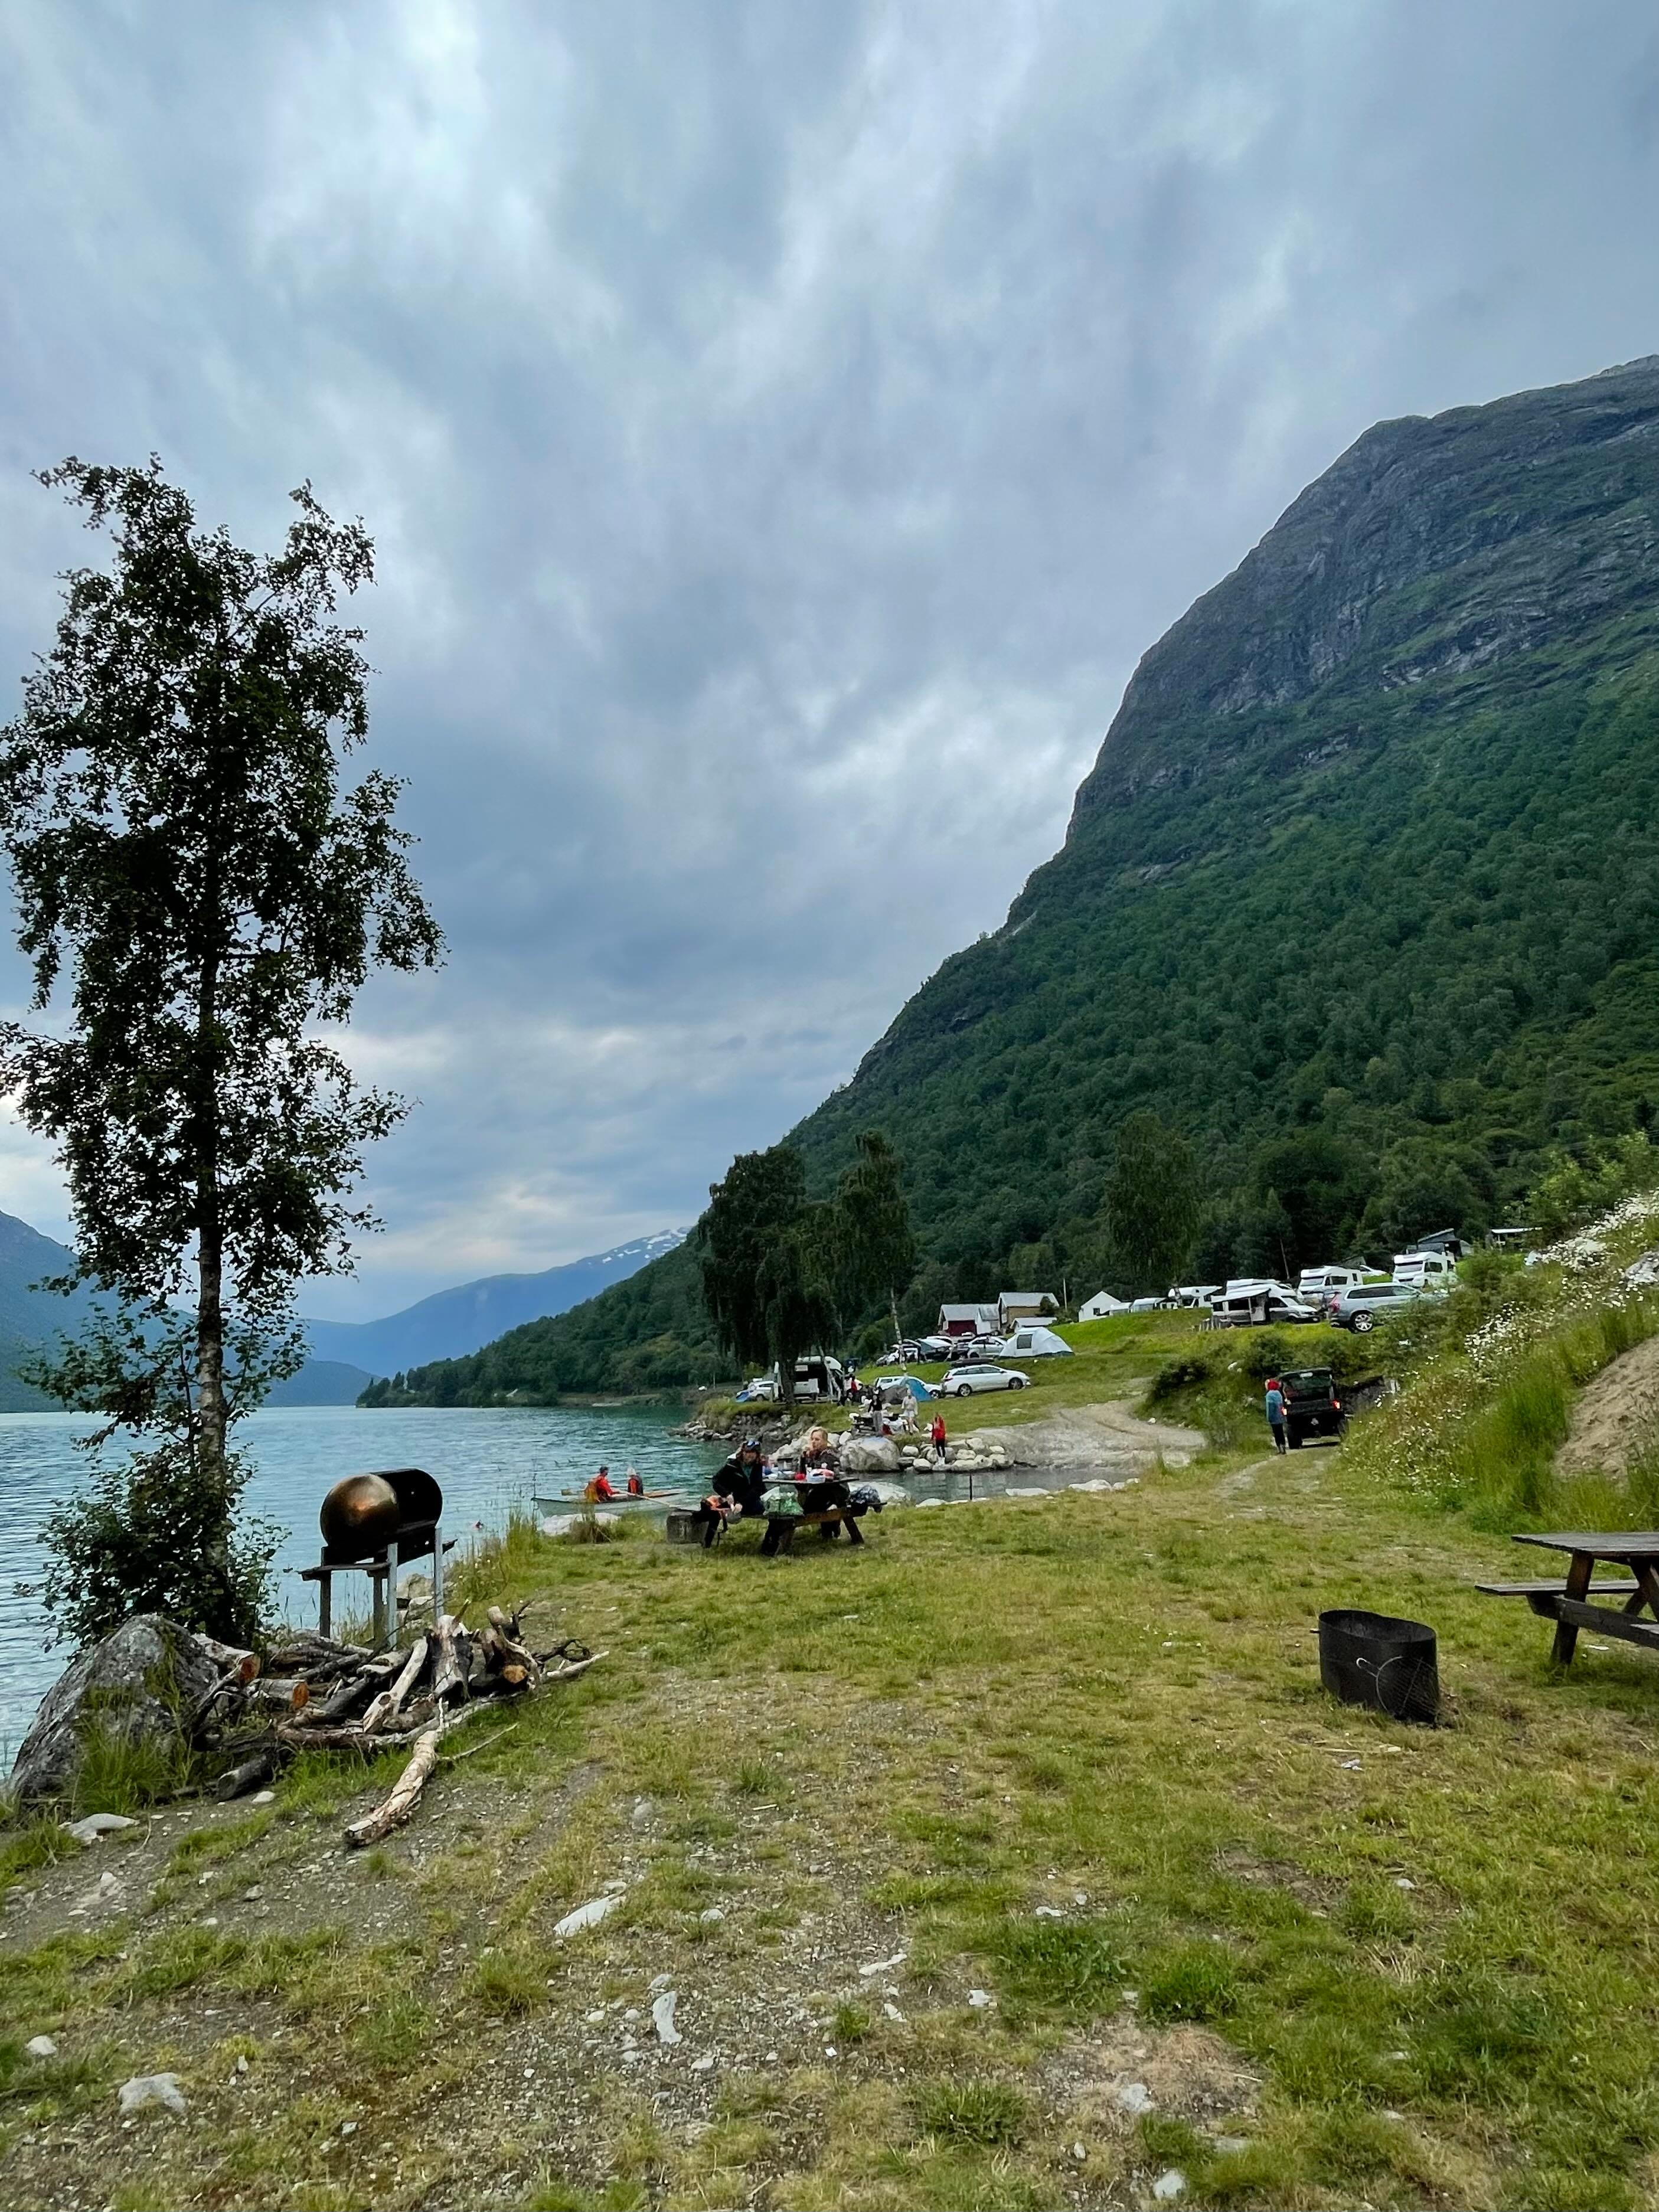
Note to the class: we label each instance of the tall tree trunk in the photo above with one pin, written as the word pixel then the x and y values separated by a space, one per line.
pixel 211 1412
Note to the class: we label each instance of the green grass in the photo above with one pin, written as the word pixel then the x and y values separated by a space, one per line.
pixel 1105 1707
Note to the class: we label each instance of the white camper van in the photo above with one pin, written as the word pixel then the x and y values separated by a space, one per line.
pixel 1251 1302
pixel 1319 1284
pixel 1425 1269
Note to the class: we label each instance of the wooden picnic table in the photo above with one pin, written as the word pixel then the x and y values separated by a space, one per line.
pixel 1567 1602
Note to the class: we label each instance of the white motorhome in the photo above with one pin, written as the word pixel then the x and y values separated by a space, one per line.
pixel 1253 1301
pixel 816 1378
pixel 1424 1268
pixel 1316 1285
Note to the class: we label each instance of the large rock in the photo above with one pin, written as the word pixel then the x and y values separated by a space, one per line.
pixel 871 1455
pixel 143 1683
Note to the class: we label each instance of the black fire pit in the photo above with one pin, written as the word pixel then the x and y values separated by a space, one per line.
pixel 376 1523
pixel 1373 1659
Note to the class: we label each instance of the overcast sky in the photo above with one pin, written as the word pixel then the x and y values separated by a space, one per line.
pixel 784 426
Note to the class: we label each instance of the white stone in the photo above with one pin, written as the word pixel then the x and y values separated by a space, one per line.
pixel 1133 2097
pixel 658 1982
pixel 662 2018
pixel 980 2000
pixel 1169 2184
pixel 711 1916
pixel 97 1823
pixel 41 2046
pixel 892 2011
pixel 705 2065
pixel 884 1965
pixel 587 1916
pixel 263 1797
pixel 152 2089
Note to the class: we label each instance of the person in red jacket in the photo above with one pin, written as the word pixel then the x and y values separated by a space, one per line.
pixel 937 1432
pixel 599 1490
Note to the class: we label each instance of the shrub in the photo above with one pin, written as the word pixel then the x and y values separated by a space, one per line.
pixel 151 1536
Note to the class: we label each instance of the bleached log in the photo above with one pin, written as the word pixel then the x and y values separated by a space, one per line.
pixel 452 1657
pixel 394 1809
pixel 385 1708
pixel 245 1665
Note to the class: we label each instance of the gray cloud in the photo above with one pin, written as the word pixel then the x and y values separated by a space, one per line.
pixel 784 428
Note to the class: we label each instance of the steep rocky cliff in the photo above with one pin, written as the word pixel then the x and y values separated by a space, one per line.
pixel 1432 547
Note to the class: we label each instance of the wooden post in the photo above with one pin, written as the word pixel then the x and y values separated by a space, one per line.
pixel 437 1569
pixel 324 1601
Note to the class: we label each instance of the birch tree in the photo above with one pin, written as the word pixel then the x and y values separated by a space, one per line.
pixel 201 897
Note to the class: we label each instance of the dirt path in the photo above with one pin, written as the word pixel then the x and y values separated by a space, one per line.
pixel 1616 1417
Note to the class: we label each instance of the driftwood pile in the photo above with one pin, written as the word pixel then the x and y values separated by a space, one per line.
pixel 313 1693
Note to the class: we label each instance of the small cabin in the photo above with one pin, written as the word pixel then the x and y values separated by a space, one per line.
pixel 1016 1306
pixel 1102 1306
pixel 966 1321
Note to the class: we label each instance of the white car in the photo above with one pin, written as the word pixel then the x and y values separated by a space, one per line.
pixel 963 1381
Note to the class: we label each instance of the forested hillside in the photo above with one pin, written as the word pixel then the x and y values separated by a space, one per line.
pixel 1361 897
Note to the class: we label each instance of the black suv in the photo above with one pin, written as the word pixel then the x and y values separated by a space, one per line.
pixel 1313 1405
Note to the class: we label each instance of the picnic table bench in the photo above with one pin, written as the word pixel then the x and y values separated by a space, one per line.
pixel 1567 1602
pixel 781 1527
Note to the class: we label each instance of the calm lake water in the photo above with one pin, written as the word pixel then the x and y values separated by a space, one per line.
pixel 487 1462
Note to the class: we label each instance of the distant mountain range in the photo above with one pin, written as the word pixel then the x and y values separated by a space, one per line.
pixel 345 1355
pixel 450 1323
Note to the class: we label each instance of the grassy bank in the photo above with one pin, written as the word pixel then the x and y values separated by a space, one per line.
pixel 1072 1754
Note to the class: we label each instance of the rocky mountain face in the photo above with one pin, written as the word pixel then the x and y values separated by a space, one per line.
pixel 1431 547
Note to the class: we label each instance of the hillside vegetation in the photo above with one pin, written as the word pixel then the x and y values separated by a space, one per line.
pixel 1362 897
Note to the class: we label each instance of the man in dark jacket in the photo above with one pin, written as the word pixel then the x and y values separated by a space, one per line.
pixel 737 1487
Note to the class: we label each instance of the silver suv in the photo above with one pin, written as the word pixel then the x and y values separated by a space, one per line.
pixel 1361 1308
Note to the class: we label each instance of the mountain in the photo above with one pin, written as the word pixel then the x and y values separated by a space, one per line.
pixel 450 1322
pixel 30 1318
pixel 1361 895
pixel 321 1383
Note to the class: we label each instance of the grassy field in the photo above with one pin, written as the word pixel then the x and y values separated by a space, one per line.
pixel 1071 1755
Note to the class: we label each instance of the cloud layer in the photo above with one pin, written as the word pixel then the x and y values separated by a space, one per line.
pixel 783 429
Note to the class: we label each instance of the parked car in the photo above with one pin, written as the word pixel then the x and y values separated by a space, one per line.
pixel 1033 1341
pixel 1360 1310
pixel 1313 1404
pixel 964 1381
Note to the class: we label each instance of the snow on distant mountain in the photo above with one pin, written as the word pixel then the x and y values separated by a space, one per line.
pixel 452 1322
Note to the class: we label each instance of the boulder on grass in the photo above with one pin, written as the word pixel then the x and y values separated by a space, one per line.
pixel 141 1684
pixel 870 1455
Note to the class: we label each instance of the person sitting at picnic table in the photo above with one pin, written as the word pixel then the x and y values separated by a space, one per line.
pixel 1275 1405
pixel 599 1490
pixel 740 1484
pixel 820 1457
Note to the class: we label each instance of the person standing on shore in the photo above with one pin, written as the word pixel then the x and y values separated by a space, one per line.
pixel 1276 1414
pixel 937 1432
